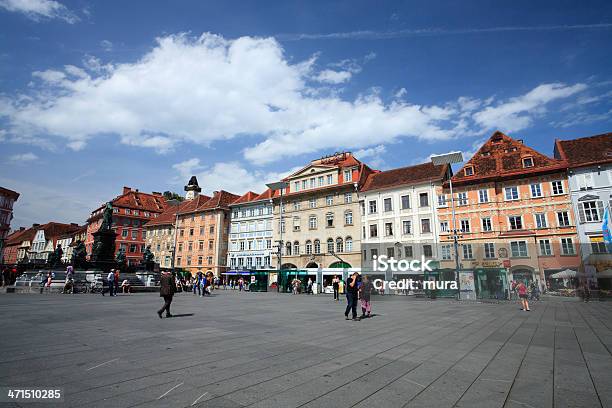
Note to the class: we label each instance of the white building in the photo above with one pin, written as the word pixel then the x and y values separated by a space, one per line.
pixel 250 240
pixel 398 213
pixel 47 238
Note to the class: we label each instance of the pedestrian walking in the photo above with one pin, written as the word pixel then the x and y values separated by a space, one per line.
pixel 309 287
pixel 522 293
pixel 336 287
pixel 365 290
pixel 351 289
pixel 110 281
pixel 116 281
pixel 167 288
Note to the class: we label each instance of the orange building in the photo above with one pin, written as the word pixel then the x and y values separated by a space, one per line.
pixel 514 216
pixel 15 244
pixel 203 232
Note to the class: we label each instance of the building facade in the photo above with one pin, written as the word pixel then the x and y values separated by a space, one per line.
pixel 69 240
pixel 7 199
pixel 398 213
pixel 251 234
pixel 16 245
pixel 589 162
pixel 513 215
pixel 320 216
pixel 47 238
pixel 131 210
pixel 203 232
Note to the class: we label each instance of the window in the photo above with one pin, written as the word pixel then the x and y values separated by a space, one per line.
pixel 373 253
pixel 405 202
pixel 518 249
pixel 191 232
pixel 181 232
pixel 348 244
pixel 133 248
pixel 330 245
pixel 330 179
pixel 467 251
pixel 545 248
pixel 339 245
pixel 598 246
pixel 462 198
pixel 536 190
pixel 242 245
pixel 489 250
pixel 348 198
pixel 321 181
pixel 567 247
pixel 425 226
pixel 528 162
pixel 387 205
pixel 388 229
pixel 200 260
pixel 348 218
pixel 469 170
pixel 329 220
pixel 308 248
pixel 288 248
pixel 486 224
pixel 312 183
pixel 408 251
pixel 209 260
pixel 296 248
pixel 211 243
pixel 557 187
pixel 296 206
pixel 189 260
pixel 406 227
pixel 483 196
pixel 297 186
pixel 134 234
pixel 348 175
pixel 124 233
pixel 282 226
pixel 296 224
pixel 178 261
pixel 190 246
pixel 511 193
pixel 423 200
pixel 444 226
pixel 312 203
pixel 373 231
pixel 446 252
pixel 465 225
pixel 329 200
pixel 590 211
pixel 211 229
pixel 515 222
pixel 372 206
pixel 304 184
pixel 312 222
pixel 563 218
pixel 317 246
pixel 540 220
pixel 427 251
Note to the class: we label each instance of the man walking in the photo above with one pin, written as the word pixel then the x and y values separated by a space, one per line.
pixel 167 288
pixel 336 286
pixel 351 296
pixel 110 281
pixel 365 291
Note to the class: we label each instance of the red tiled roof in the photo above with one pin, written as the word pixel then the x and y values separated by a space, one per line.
pixel 220 199
pixel 56 229
pixel 78 230
pixel 169 216
pixel 502 157
pixel 585 151
pixel 191 205
pixel 137 200
pixel 404 176
pixel 7 192
pixel 17 237
pixel 266 195
pixel 245 198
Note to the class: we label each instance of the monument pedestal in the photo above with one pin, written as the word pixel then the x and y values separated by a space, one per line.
pixel 103 250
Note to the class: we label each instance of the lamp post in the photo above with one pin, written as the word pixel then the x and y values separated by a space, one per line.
pixel 279 185
pixel 450 158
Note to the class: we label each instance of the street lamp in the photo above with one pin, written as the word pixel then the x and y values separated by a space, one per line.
pixel 279 185
pixel 438 160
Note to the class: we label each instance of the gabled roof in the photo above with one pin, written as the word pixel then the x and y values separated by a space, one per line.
pixel 502 157
pixel 79 230
pixel 191 205
pixel 137 200
pixel 56 229
pixel 168 217
pixel 220 199
pixel 10 193
pixel 266 195
pixel 338 160
pixel 17 237
pixel 420 173
pixel 246 197
pixel 585 151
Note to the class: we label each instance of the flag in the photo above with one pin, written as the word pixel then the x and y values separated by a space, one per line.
pixel 605 228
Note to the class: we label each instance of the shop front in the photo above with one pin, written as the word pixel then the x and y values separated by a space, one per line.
pixel 491 283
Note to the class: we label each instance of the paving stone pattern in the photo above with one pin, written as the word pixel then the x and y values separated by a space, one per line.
pixel 269 350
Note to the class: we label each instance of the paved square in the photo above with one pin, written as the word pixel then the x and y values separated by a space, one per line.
pixel 269 350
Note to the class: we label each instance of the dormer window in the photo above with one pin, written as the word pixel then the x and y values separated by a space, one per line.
pixel 486 154
pixel 469 171
pixel 528 162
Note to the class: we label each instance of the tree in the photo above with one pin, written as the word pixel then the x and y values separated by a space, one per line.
pixel 169 195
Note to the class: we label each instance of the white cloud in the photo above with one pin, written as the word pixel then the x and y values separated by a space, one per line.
pixel 201 90
pixel 24 157
pixel 333 77
pixel 106 45
pixel 518 113
pixel 40 9
pixel 373 155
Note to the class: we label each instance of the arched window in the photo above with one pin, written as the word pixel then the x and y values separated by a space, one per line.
pixel 348 244
pixel 348 218
pixel 317 246
pixel 288 250
pixel 308 247
pixel 296 248
pixel 330 245
pixel 339 245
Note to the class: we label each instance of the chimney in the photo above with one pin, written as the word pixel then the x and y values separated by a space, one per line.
pixel 35 225
pixel 156 193
pixel 74 224
pixel 21 228
pixel 126 189
pixel 520 141
pixel 136 190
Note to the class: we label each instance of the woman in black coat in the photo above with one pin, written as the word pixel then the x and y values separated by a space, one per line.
pixel 167 288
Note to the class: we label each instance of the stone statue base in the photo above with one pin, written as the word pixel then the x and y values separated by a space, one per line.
pixel 103 250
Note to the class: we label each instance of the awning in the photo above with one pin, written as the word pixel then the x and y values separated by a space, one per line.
pixel 237 273
pixel 565 274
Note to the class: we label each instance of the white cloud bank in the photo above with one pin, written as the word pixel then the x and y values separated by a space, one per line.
pixel 23 157
pixel 201 90
pixel 40 9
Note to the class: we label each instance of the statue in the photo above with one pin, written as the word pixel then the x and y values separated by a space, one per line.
pixel 148 259
pixel 120 258
pixel 79 255
pixel 107 220
pixel 55 258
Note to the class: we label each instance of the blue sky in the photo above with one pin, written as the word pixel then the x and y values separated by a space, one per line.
pixel 97 95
